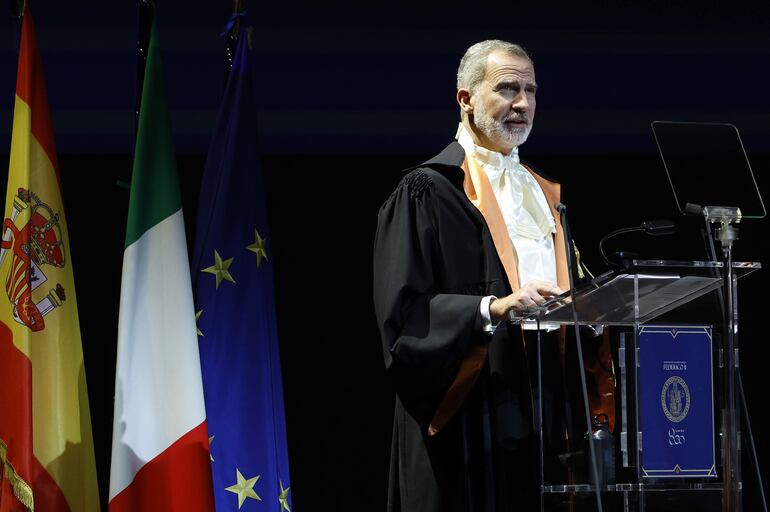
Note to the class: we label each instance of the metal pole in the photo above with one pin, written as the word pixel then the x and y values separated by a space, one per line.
pixel 145 15
pixel 232 41
pixel 734 414
pixel 731 498
pixel 725 310
pixel 17 10
pixel 584 388
pixel 539 413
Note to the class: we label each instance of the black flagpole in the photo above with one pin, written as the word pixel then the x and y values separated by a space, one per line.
pixel 231 41
pixel 145 16
pixel 17 8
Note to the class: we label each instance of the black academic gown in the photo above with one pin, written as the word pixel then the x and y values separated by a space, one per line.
pixel 434 260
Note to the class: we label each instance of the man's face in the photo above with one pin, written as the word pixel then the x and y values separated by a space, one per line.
pixel 504 102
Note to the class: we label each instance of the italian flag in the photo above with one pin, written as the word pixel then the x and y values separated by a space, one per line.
pixel 160 454
pixel 46 448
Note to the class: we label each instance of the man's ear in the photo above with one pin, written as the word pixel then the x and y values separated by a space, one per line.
pixel 464 100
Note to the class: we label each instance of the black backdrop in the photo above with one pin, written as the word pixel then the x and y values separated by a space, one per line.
pixel 349 97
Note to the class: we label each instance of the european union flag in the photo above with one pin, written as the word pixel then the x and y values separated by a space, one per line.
pixel 233 282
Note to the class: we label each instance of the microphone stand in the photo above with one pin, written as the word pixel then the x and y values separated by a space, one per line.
pixel 584 388
pixel 727 234
pixel 712 252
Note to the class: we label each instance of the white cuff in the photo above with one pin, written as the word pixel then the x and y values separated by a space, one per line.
pixel 486 316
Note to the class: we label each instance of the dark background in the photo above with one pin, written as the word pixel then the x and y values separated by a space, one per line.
pixel 348 96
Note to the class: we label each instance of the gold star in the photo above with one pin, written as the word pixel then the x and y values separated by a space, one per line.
pixel 219 269
pixel 197 317
pixel 211 455
pixel 283 498
pixel 258 247
pixel 244 488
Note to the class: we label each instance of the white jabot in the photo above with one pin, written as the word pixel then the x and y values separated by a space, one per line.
pixel 525 210
pixel 527 217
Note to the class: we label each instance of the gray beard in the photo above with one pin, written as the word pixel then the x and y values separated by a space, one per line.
pixel 497 131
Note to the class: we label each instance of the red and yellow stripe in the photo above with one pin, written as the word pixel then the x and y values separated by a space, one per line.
pixel 46 446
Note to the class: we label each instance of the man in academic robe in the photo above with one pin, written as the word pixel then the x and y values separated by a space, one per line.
pixel 466 238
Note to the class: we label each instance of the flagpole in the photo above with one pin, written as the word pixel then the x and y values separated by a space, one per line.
pixel 232 41
pixel 17 8
pixel 145 14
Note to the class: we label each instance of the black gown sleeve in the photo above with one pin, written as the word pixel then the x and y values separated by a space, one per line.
pixel 425 333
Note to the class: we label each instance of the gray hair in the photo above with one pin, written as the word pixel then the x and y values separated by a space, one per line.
pixel 473 65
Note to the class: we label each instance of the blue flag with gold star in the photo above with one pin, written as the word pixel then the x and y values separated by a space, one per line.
pixel 235 308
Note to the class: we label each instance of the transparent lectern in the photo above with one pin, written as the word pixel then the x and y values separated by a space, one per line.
pixel 634 299
pixel 676 439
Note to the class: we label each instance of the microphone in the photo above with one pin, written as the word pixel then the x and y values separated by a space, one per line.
pixel 657 227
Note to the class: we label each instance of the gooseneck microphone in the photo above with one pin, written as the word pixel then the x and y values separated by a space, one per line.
pixel 656 227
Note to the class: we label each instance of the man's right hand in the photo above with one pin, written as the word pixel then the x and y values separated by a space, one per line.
pixel 532 294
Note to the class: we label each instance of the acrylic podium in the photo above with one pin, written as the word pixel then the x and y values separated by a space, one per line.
pixel 676 439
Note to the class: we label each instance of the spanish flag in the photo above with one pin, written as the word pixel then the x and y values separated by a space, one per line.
pixel 46 448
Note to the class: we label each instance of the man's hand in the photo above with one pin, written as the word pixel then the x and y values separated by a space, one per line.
pixel 531 294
